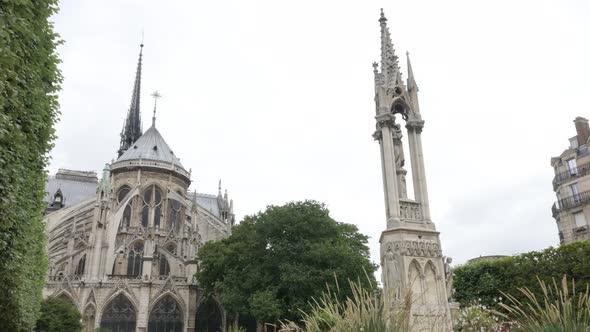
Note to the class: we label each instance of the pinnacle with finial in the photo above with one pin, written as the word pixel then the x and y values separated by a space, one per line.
pixel 156 95
pixel 411 80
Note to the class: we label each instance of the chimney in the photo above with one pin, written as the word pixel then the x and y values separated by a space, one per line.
pixel 582 130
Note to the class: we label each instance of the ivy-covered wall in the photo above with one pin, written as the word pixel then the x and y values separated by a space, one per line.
pixel 29 81
pixel 484 281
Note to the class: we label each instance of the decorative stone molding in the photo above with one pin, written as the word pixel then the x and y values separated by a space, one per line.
pixel 415 125
pixel 410 210
pixel 419 248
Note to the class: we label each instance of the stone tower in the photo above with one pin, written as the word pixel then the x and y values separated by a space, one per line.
pixel 411 256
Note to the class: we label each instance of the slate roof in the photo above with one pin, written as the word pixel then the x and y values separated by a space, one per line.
pixel 74 191
pixel 208 202
pixel 151 146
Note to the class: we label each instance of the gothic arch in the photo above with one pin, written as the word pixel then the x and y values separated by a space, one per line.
pixel 119 313
pixel 63 294
pixel 415 277
pixel 166 313
pixel 89 317
pixel 431 291
pixel 209 316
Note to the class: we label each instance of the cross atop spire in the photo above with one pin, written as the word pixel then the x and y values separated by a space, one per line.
pixel 389 61
pixel 132 127
pixel 156 96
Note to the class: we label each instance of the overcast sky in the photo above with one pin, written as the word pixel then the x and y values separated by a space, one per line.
pixel 276 99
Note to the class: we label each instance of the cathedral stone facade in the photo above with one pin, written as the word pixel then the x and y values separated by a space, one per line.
pixel 411 255
pixel 124 249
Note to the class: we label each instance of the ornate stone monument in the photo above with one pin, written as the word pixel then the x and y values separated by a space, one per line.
pixel 411 256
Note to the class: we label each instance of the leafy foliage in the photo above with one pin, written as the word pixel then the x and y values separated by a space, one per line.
pixel 58 315
pixel 485 281
pixel 476 318
pixel 29 81
pixel 277 261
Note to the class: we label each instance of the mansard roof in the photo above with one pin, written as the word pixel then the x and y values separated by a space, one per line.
pixel 151 146
pixel 75 186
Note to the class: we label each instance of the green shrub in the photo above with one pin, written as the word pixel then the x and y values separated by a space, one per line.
pixel 58 315
pixel 29 81
pixel 485 281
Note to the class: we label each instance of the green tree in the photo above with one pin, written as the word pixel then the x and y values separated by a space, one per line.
pixel 58 315
pixel 29 81
pixel 277 261
pixel 485 281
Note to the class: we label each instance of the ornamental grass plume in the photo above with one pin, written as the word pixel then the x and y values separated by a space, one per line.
pixel 365 310
pixel 560 308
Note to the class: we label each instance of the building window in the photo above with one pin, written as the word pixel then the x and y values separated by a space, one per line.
pixel 575 189
pixel 135 260
pixel 164 266
pixel 152 201
pixel 580 219
pixel 574 142
pixel 119 315
pixel 572 167
pixel 174 214
pixel 122 193
pixel 80 267
pixel 166 316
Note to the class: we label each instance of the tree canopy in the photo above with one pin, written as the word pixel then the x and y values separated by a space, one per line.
pixel 484 281
pixel 58 315
pixel 29 81
pixel 277 261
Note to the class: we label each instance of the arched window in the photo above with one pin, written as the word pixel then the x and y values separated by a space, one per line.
pixel 81 265
pixel 416 283
pixel 166 316
pixel 208 317
pixel 174 214
pixel 152 200
pixel 164 266
pixel 119 315
pixel 135 260
pixel 121 194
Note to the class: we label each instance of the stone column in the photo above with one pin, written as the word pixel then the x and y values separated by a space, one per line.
pixel 385 124
pixel 418 172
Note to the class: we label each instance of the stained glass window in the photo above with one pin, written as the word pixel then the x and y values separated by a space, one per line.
pixel 166 316
pixel 119 315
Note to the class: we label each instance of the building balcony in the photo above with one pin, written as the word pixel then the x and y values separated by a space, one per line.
pixel 581 229
pixel 562 177
pixel 555 211
pixel 574 200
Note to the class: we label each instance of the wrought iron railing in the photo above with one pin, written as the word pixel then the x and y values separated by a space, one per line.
pixel 561 177
pixel 574 200
pixel 581 229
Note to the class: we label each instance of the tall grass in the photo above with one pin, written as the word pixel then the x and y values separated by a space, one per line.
pixel 560 308
pixel 366 310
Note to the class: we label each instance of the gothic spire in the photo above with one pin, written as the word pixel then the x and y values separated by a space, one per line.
pixel 389 61
pixel 411 81
pixel 132 126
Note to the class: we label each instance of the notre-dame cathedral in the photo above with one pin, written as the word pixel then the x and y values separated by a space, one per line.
pixel 123 248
